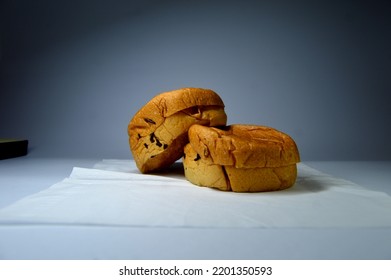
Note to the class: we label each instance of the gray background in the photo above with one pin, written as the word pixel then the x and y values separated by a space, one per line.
pixel 73 73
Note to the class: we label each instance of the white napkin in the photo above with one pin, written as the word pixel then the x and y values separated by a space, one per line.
pixel 114 193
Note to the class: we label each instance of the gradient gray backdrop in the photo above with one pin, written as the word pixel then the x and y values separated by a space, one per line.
pixel 73 73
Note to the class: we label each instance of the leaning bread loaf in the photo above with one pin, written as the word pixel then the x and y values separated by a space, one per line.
pixel 158 132
pixel 240 158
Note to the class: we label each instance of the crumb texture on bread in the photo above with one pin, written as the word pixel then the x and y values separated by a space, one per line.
pixel 158 132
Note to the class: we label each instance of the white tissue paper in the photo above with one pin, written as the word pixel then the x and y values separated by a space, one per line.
pixel 114 193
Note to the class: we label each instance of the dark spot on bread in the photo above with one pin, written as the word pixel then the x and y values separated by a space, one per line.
pixel 152 137
pixel 158 143
pixel 138 136
pixel 146 145
pixel 149 121
pixel 165 146
pixel 197 158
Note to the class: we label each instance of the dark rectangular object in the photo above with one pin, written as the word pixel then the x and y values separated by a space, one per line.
pixel 10 148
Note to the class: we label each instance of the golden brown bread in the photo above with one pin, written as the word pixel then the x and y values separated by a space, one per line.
pixel 241 158
pixel 158 131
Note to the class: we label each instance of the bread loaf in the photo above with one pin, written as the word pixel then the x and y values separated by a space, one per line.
pixel 240 158
pixel 158 132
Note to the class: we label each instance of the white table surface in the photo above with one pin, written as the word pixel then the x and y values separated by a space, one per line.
pixel 23 176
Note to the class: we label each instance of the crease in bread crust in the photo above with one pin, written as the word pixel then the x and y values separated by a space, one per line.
pixel 228 182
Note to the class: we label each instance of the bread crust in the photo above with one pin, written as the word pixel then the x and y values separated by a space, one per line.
pixel 158 132
pixel 241 158
pixel 244 145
